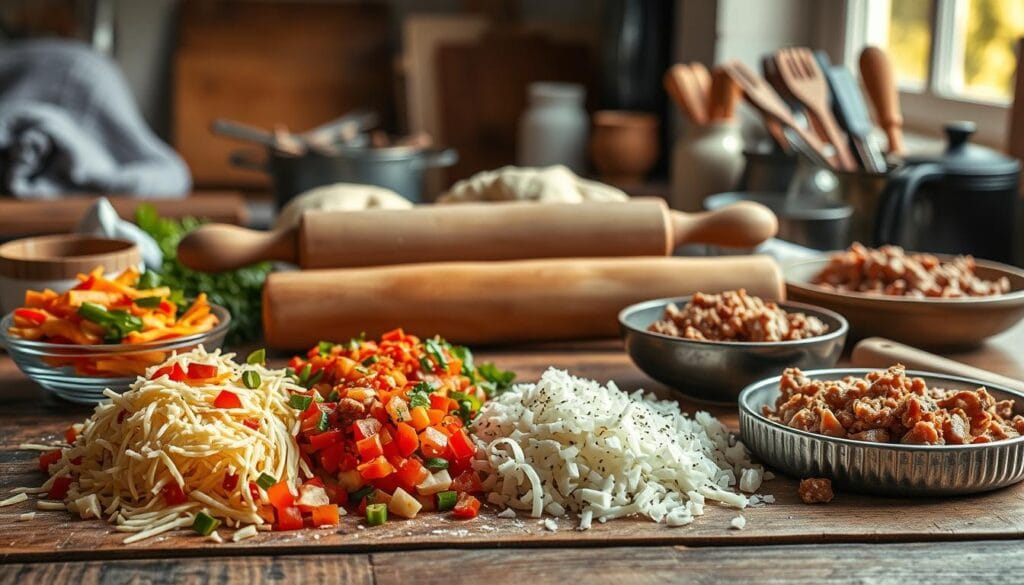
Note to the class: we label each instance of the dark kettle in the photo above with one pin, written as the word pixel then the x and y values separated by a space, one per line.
pixel 963 201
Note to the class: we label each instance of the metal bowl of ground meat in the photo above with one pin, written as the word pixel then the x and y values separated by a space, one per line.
pixel 716 371
pixel 925 300
pixel 954 445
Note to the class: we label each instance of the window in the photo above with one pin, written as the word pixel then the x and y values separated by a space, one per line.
pixel 954 59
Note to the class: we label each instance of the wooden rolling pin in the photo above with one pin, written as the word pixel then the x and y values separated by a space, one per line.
pixel 493 302
pixel 478 231
pixel 878 352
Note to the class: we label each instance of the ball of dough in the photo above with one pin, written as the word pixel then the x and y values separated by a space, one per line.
pixel 340 197
pixel 555 184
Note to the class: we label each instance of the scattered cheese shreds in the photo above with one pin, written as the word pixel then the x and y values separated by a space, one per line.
pixel 244 533
pixel 15 499
pixel 738 523
pixel 27 516
pixel 571 444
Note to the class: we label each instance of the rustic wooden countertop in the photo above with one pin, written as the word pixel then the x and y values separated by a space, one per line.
pixel 855 539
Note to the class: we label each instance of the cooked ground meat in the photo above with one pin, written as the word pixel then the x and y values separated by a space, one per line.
pixel 815 490
pixel 890 407
pixel 891 271
pixel 735 316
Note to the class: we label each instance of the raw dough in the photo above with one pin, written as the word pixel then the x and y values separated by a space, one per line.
pixel 340 197
pixel 556 184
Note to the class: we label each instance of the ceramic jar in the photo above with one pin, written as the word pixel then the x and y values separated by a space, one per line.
pixel 624 145
pixel 554 128
pixel 706 160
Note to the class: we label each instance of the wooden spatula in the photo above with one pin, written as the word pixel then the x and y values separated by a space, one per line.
pixel 684 88
pixel 702 77
pixel 880 81
pixel 801 74
pixel 723 95
pixel 761 95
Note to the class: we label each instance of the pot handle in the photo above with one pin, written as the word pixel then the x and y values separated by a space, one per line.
pixel 437 158
pixel 897 199
pixel 246 159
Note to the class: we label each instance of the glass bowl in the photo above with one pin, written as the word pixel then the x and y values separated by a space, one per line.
pixel 58 367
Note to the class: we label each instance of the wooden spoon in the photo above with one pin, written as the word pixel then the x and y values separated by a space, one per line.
pixel 724 96
pixel 880 81
pixel 703 78
pixel 800 72
pixel 878 352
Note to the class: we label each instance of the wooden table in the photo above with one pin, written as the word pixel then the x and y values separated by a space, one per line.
pixel 855 539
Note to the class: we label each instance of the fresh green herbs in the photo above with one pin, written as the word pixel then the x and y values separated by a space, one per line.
pixel 239 291
pixel 116 324
pixel 324 347
pixel 435 463
pixel 420 395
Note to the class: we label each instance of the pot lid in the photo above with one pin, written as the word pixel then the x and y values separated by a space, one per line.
pixel 964 159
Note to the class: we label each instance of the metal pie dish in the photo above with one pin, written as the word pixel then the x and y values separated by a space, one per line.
pixel 716 371
pixel 927 322
pixel 881 468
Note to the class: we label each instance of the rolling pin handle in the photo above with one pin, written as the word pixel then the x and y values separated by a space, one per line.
pixel 741 225
pixel 235 247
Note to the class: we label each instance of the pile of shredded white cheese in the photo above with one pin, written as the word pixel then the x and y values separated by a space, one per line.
pixel 161 432
pixel 568 444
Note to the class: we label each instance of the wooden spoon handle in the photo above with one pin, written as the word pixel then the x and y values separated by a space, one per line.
pixel 744 224
pixel 835 137
pixel 878 352
pixel 688 93
pixel 880 81
pixel 217 247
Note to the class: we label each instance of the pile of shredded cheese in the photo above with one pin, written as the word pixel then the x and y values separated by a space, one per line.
pixel 162 431
pixel 568 444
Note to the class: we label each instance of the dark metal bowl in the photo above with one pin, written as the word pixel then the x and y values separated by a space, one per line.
pixel 716 371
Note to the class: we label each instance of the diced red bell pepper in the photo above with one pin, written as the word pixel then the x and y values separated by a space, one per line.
pixel 173 494
pixel 325 439
pixel 252 423
pixel 326 515
pixel 460 445
pixel 411 473
pixel 254 491
pixel 201 371
pixel 167 307
pixel 174 372
pixel 330 457
pixel 375 469
pixel 468 482
pixel 457 467
pixel 466 507
pixel 289 518
pixel 406 439
pixel 369 448
pixel 32 315
pixel 348 462
pixel 433 442
pixel 366 427
pixel 387 484
pixel 226 399
pixel 230 482
pixel 59 488
pixel 314 481
pixel 86 284
pixel 49 458
pixel 70 435
pixel 393 335
pixel 439 402
pixel 280 495
pixel 336 494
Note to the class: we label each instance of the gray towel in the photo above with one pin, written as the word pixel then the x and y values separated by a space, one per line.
pixel 69 124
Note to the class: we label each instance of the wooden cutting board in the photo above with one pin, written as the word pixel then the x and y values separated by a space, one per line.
pixel 265 63
pixel 26 416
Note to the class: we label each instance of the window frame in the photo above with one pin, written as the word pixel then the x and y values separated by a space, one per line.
pixel 926 109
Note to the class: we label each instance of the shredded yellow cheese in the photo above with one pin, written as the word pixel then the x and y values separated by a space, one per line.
pixel 163 432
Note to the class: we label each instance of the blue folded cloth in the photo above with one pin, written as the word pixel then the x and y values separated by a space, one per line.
pixel 69 124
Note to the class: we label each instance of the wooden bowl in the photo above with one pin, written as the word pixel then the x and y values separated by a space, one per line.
pixel 55 261
pixel 935 323
pixel 624 145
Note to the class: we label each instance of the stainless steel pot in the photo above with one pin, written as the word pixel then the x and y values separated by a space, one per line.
pixel 399 168
pixel 822 226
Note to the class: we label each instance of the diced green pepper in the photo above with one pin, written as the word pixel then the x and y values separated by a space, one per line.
pixel 205 524
pixel 370 360
pixel 435 463
pixel 361 493
pixel 149 279
pixel 257 357
pixel 148 302
pixel 446 500
pixel 265 480
pixel 251 379
pixel 377 514
pixel 324 423
pixel 300 402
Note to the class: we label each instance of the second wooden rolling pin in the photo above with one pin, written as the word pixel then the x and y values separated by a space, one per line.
pixel 478 231
pixel 493 302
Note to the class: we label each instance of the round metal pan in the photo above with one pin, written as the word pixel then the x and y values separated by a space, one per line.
pixel 882 468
